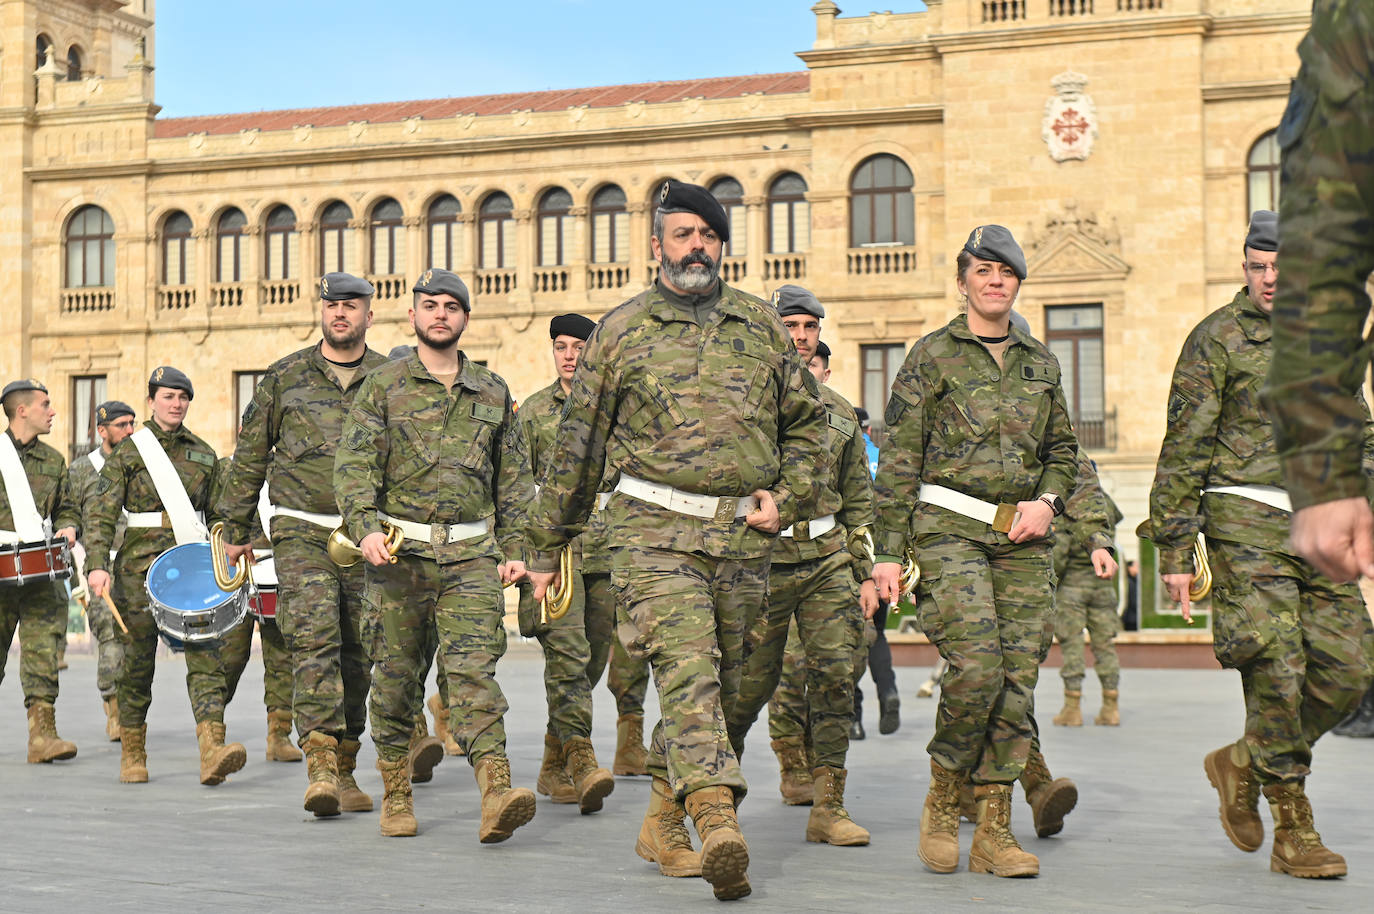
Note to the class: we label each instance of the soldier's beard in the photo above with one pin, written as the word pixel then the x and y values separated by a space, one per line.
pixel 678 273
pixel 343 340
pixel 436 344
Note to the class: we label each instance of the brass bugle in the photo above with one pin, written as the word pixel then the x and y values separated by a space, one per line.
pixel 345 553
pixel 220 562
pixel 556 603
pixel 911 573
pixel 1202 572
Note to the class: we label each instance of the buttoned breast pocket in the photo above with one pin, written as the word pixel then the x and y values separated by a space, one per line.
pixel 653 407
pixel 959 421
pixel 484 421
pixel 299 436
pixel 749 382
pixel 1037 398
pixel 410 453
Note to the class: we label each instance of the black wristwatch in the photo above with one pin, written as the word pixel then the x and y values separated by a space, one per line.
pixel 1054 501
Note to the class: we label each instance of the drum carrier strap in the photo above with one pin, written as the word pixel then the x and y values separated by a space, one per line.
pixel 28 523
pixel 186 527
pixel 97 459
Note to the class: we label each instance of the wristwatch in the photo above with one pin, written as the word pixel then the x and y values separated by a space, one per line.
pixel 1054 501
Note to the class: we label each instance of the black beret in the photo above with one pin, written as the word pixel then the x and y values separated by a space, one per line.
pixel 571 325
pixel 343 286
pixel 679 197
pixel 442 282
pixel 823 350
pixel 862 415
pixel 111 410
pixel 22 384
pixel 400 352
pixel 167 376
pixel 790 299
pixel 993 242
pixel 1264 230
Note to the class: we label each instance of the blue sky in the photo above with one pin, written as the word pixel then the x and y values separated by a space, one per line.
pixel 263 54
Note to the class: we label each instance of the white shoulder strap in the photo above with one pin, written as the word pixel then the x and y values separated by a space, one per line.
pixel 28 523
pixel 186 527
pixel 97 459
pixel 266 511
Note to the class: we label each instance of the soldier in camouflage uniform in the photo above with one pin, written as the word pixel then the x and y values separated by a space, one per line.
pixel 1300 640
pixel 694 392
pixel 816 582
pixel 979 447
pixel 114 421
pixel 431 446
pixel 127 485
pixel 288 438
pixel 31 608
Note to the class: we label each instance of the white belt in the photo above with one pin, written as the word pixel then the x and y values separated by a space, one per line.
pixel 155 518
pixel 328 521
pixel 438 534
pixel 1272 496
pixel 602 500
pixel 810 530
pixel 998 517
pixel 722 508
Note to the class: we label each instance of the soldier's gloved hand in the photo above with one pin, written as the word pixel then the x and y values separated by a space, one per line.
pixel 374 548
pixel 1337 537
pixel 1033 520
pixel 1178 586
pixel 543 582
pixel 511 572
pixel 98 583
pixel 234 553
pixel 885 577
pixel 1104 566
pixel 868 598
pixel 765 517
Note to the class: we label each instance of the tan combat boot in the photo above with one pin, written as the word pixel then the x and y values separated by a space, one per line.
pixel 1298 849
pixel 351 796
pixel 504 808
pixel 995 849
pixel 441 728
pixel 663 838
pixel 425 752
pixel 939 844
pixel 112 718
pixel 591 782
pixel 794 773
pixel 553 781
pixel 1228 768
pixel 631 758
pixel 968 807
pixel 322 765
pixel 217 761
pixel 44 743
pixel 279 748
pixel 1050 798
pixel 398 807
pixel 724 855
pixel 133 755
pixel 830 822
pixel 1110 715
pixel 1072 714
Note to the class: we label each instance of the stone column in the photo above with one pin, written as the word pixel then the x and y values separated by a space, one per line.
pixel 640 256
pixel 575 254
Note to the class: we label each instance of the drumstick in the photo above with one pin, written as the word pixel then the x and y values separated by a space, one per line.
pixel 115 612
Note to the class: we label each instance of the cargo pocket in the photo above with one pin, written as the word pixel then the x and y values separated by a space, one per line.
pixel 929 614
pixel 1238 637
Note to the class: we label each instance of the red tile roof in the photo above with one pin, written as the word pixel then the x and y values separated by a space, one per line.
pixel 552 100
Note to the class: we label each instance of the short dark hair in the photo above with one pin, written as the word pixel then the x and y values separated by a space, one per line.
pixel 17 399
pixel 825 359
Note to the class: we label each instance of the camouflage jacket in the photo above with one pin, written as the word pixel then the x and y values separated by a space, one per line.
pixel 955 419
pixel 47 473
pixel 1327 253
pixel 289 437
pixel 82 482
pixel 126 485
pixel 721 410
pixel 1088 522
pixel 256 536
pixel 420 452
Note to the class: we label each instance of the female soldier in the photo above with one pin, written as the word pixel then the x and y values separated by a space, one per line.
pixel 979 449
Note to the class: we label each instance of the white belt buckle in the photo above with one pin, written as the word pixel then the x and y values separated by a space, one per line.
pixel 438 535
pixel 727 507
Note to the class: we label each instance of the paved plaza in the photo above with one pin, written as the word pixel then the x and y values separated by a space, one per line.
pixel 1144 837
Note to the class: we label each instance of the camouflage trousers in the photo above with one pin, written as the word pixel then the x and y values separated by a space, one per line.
pixel 626 677
pixel 109 649
pixel 788 713
pixel 1083 600
pixel 986 607
pixel 687 614
pixel 822 598
pixel 320 612
pixel 567 655
pixel 31 610
pixel 1302 643
pixel 461 604
pixel 276 661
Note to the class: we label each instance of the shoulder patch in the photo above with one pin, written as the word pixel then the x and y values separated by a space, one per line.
pixel 842 425
pixel 201 457
pixel 488 413
pixel 1046 373
pixel 355 437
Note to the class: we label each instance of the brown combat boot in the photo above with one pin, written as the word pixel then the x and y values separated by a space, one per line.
pixel 724 855
pixel 553 780
pixel 968 807
pixel 1298 849
pixel 504 808
pixel 663 838
pixel 1071 715
pixel 1110 715
pixel 1228 768
pixel 795 782
pixel 322 765
pixel 217 761
pixel 995 849
pixel 112 718
pixel 425 752
pixel 631 758
pixel 44 743
pixel 133 755
pixel 279 748
pixel 351 796
pixel 939 844
pixel 441 728
pixel 1050 798
pixel 398 806
pixel 592 782
pixel 830 822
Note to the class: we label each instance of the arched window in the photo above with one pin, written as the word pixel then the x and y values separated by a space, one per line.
pixel 444 228
pixel 178 251
pixel 44 48
pixel 336 238
pixel 554 226
pixel 881 207
pixel 388 238
pixel 90 248
pixel 1262 174
pixel 496 232
pixel 282 244
pixel 789 215
pixel 229 232
pixel 73 64
pixel 610 226
pixel 730 195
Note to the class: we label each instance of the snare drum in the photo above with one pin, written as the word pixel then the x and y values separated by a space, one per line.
pixel 24 563
pixel 187 604
pixel 263 604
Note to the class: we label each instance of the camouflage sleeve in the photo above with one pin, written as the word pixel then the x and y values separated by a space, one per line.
pixel 856 495
pixel 237 501
pixel 1093 526
pixel 67 505
pixel 361 459
pixel 102 514
pixel 513 483
pixel 802 427
pixel 1326 248
pixel 1058 448
pixel 900 460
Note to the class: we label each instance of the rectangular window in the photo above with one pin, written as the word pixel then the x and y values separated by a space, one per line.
pixel 88 392
pixel 178 262
pixel 230 269
pixel 1074 334
pixel 444 245
pixel 880 365
pixel 388 250
pixel 245 382
pixel 739 227
pixel 283 253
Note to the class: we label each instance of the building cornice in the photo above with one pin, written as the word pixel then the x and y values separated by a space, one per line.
pixel 1225 92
